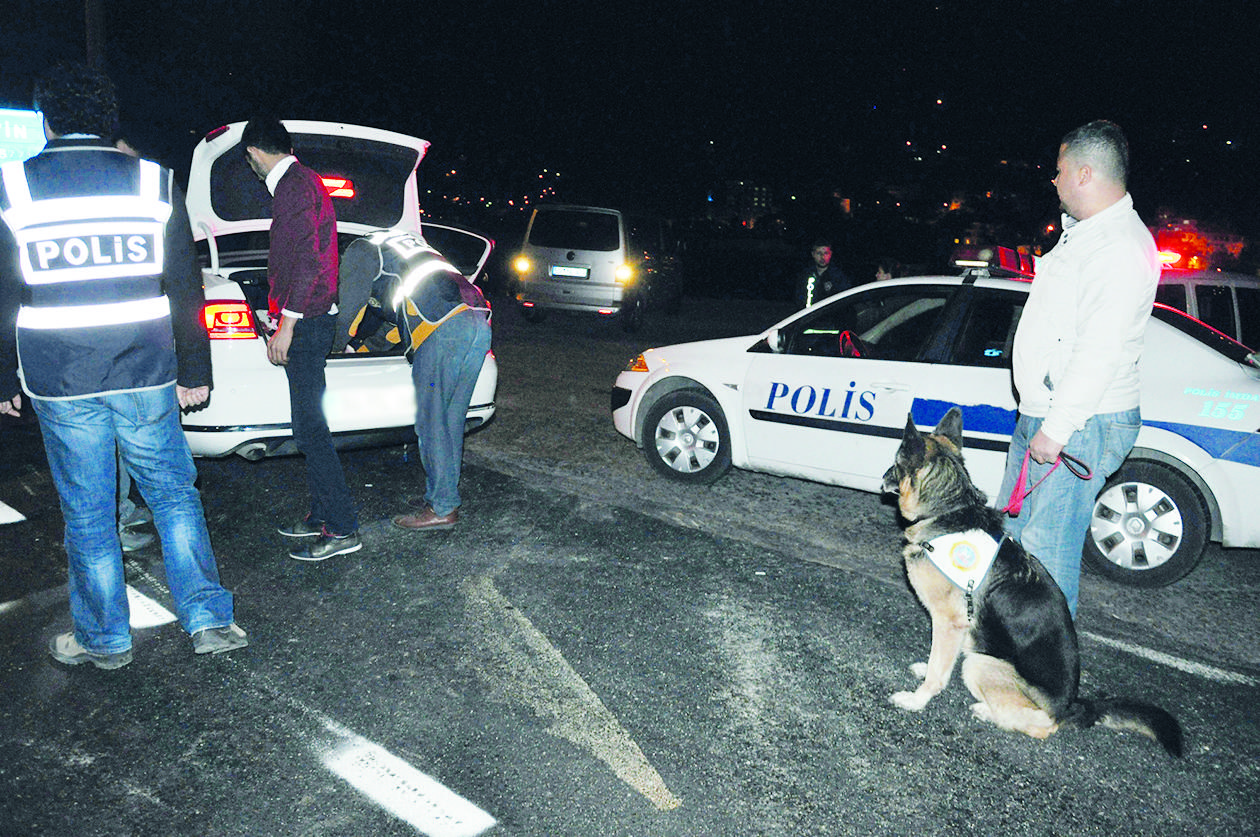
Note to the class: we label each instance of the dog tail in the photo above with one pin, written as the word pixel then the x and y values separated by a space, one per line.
pixel 1117 713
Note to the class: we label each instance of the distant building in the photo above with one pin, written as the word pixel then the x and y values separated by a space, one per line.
pixel 740 203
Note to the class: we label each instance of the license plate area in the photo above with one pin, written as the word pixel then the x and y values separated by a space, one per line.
pixel 564 271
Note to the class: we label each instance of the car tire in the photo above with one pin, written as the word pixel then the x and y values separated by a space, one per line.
pixel 1149 526
pixel 533 314
pixel 631 314
pixel 685 437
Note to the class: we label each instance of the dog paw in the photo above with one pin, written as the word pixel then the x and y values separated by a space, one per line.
pixel 911 701
pixel 919 670
pixel 982 712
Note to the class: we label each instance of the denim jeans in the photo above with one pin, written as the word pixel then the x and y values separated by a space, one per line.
pixel 308 354
pixel 80 436
pixel 1055 518
pixel 445 370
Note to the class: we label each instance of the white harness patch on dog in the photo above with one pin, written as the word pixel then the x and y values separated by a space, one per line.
pixel 963 557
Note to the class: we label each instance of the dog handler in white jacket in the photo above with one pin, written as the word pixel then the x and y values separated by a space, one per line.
pixel 1076 351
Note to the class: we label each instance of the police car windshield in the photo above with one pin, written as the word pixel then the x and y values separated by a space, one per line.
pixel 1202 332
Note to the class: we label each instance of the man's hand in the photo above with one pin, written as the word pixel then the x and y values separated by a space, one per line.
pixel 12 407
pixel 1044 449
pixel 278 345
pixel 191 396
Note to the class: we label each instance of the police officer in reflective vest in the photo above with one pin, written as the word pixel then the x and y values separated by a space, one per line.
pixel 100 305
pixel 419 301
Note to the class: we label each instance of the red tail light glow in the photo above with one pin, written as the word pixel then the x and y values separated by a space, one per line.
pixel 229 321
pixel 339 187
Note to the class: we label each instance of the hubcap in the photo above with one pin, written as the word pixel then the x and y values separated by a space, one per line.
pixel 1136 526
pixel 687 439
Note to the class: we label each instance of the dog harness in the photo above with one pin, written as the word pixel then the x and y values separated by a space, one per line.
pixel 964 558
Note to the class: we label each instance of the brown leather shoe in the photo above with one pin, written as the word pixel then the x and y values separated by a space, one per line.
pixel 427 520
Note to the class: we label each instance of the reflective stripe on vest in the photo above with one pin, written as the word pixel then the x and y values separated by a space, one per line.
pixel 88 237
pixel 84 316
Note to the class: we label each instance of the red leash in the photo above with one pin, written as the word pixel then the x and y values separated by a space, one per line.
pixel 1018 494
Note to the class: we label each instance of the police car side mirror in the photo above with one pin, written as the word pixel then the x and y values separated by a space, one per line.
pixel 775 341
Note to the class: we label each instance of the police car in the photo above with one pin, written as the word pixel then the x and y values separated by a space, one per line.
pixel 371 176
pixel 824 395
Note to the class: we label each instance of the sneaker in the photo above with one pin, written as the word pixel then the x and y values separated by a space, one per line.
pixel 304 528
pixel 326 546
pixel 219 640
pixel 66 649
pixel 132 541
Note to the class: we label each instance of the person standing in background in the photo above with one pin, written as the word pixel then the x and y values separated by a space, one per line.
pixel 820 279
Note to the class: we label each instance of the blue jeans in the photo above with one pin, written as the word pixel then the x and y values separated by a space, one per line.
pixel 1055 518
pixel 445 370
pixel 80 436
pixel 308 354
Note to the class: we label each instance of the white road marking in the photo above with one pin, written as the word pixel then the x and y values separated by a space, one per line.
pixel 390 782
pixel 404 791
pixel 1220 675
pixel 387 780
pixel 8 514
pixel 529 668
pixel 146 613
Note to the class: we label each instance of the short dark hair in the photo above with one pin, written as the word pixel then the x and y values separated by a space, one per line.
pixel 266 133
pixel 1102 145
pixel 77 99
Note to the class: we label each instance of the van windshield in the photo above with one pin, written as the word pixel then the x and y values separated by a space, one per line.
pixel 575 230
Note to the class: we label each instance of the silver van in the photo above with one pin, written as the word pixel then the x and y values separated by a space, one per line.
pixel 597 260
pixel 1228 302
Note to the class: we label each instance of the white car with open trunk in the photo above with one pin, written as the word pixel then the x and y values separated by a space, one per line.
pixel 371 175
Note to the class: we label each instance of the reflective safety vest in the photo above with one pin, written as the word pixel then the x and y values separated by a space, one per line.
pixel 93 318
pixel 413 288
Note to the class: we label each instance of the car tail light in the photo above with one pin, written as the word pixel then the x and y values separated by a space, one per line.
pixel 229 321
pixel 624 273
pixel 339 187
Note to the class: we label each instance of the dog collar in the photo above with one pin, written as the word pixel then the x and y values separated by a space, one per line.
pixel 964 557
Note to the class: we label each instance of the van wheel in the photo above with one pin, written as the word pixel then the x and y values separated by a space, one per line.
pixel 533 314
pixel 685 437
pixel 1149 527
pixel 631 315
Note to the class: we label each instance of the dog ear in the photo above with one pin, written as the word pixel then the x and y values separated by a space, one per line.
pixel 951 427
pixel 912 445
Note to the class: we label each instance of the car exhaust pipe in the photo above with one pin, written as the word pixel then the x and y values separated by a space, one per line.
pixel 253 451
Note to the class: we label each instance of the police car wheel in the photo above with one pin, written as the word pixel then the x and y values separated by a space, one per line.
pixel 685 437
pixel 1149 526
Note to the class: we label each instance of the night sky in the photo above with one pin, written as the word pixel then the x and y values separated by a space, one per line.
pixel 655 102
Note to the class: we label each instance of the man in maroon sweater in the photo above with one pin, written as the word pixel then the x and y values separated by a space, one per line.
pixel 302 274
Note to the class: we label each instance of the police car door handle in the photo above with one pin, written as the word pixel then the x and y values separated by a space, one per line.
pixel 891 386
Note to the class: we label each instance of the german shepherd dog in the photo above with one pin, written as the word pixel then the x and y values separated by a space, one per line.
pixel 1021 659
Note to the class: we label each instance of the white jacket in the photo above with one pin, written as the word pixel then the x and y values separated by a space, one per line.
pixel 1080 335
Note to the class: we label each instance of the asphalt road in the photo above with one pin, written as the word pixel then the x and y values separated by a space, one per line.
pixel 592 651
